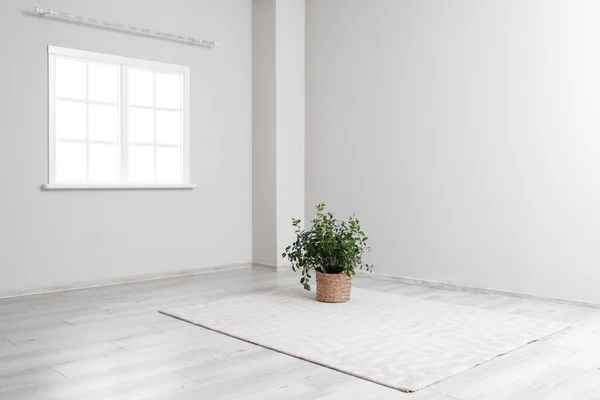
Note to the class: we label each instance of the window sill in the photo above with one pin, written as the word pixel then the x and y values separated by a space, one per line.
pixel 47 186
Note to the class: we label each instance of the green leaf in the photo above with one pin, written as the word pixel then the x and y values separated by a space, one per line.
pixel 329 245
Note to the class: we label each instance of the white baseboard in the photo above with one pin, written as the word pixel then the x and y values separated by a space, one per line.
pixel 121 280
pixel 232 267
pixel 477 290
pixel 276 268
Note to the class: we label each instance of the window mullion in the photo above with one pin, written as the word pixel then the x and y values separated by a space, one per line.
pixel 87 122
pixel 124 137
pixel 51 118
pixel 186 128
pixel 154 113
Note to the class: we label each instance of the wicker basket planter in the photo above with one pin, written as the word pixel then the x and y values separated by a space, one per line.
pixel 333 288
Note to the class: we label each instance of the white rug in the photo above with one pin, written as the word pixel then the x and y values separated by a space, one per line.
pixel 396 341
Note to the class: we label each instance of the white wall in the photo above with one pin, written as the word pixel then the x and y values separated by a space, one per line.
pixel 290 47
pixel 264 121
pixel 49 238
pixel 464 134
pixel 278 126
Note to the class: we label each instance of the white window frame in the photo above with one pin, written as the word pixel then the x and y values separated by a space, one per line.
pixel 125 63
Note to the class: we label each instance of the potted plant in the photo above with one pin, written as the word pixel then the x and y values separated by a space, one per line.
pixel 334 249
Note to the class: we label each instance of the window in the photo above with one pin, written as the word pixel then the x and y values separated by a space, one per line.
pixel 116 122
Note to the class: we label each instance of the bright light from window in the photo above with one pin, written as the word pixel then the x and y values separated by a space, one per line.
pixel 116 120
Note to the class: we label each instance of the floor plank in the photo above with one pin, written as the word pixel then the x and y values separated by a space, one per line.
pixel 29 376
pixel 111 343
pixel 5 344
pixel 157 385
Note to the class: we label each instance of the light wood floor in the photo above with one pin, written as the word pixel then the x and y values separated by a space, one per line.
pixel 111 343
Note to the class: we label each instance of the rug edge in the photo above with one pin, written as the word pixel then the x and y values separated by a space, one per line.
pixel 560 327
pixel 541 338
pixel 400 389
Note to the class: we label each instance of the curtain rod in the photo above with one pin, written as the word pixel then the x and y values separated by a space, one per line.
pixel 143 31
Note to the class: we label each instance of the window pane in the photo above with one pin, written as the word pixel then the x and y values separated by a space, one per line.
pixel 168 90
pixel 168 127
pixel 70 120
pixel 104 122
pixel 141 87
pixel 168 164
pixel 141 125
pixel 70 162
pixel 70 78
pixel 104 163
pixel 104 82
pixel 141 163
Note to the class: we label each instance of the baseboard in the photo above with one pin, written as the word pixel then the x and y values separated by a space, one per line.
pixel 120 280
pixel 477 290
pixel 276 268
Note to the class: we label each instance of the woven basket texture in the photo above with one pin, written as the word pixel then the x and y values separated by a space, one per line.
pixel 333 288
